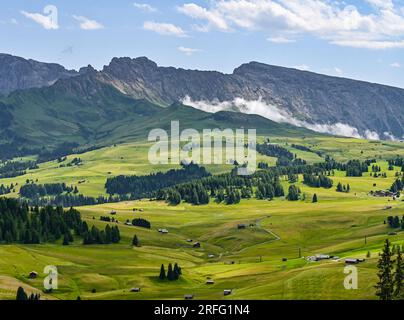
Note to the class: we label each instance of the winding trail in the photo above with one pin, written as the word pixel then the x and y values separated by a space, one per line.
pixel 258 224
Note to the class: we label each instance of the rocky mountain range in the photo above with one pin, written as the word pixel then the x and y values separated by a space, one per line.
pixel 319 102
pixel 301 97
pixel 86 111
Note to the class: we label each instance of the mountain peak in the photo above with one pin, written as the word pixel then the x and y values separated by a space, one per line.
pixel 87 70
pixel 17 73
pixel 140 63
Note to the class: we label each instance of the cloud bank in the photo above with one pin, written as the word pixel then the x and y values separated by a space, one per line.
pixel 375 24
pixel 273 113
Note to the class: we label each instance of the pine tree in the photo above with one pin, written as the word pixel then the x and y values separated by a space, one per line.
pixel 385 286
pixel 162 273
pixel 108 234
pixel 177 271
pixel 293 193
pixel 399 276
pixel 170 273
pixel 21 295
pixel 135 241
pixel 315 198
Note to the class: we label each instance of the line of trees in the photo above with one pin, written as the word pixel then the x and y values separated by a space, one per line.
pixel 343 188
pixel 144 186
pixel 96 236
pixel 356 168
pixel 68 200
pixel 6 189
pixel 172 274
pixel 398 162
pixel 23 296
pixel 11 169
pixel 228 188
pixel 319 181
pixel 21 224
pixel 274 150
pixel 32 190
pixel 395 222
pixel 142 223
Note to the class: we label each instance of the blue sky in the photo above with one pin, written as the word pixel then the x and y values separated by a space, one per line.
pixel 356 39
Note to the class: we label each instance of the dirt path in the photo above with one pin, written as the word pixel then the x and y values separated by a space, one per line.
pixel 258 224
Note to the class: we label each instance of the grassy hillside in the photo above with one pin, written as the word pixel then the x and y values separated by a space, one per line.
pixel 336 225
pixel 88 112
pixel 132 159
pixel 247 261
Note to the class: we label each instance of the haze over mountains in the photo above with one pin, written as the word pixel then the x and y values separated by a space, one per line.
pixel 45 103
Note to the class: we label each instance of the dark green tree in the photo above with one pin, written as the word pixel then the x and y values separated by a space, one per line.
pixel 315 198
pixel 135 241
pixel 21 295
pixel 293 193
pixel 177 271
pixel 162 273
pixel 399 276
pixel 170 272
pixel 385 286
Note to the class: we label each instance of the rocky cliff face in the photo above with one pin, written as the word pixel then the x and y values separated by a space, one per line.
pixel 309 97
pixel 18 74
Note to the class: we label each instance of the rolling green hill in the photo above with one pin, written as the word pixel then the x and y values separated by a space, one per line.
pixel 250 261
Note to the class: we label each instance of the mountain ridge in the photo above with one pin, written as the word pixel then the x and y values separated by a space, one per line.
pixel 310 97
pixel 17 73
pixel 300 97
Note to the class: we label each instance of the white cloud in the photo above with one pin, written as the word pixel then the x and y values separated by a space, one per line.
pixel 48 20
pixel 380 27
pixel 88 24
pixel 145 7
pixel 188 51
pixel 371 135
pixel 213 17
pixel 280 39
pixel 303 67
pixel 338 71
pixel 389 136
pixel 165 29
pixel 395 65
pixel 274 113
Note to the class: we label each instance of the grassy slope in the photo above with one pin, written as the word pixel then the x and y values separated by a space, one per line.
pixel 131 158
pixel 335 225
